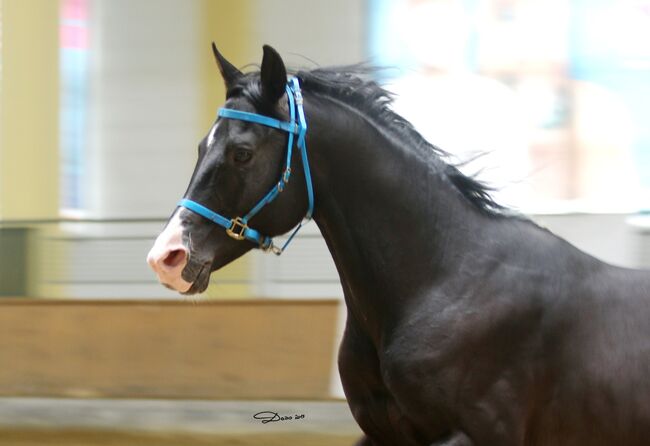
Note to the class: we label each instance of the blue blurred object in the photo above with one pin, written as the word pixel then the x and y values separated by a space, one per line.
pixel 610 46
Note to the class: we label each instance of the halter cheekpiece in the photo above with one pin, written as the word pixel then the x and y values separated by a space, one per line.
pixel 237 227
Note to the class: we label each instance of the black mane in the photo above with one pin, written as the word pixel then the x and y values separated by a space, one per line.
pixel 354 85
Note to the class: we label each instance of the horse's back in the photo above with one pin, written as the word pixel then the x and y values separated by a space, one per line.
pixel 600 369
pixel 580 341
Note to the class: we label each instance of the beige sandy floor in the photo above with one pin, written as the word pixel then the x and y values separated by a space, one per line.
pixel 80 438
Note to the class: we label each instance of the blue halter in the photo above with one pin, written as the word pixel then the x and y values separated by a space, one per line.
pixel 237 227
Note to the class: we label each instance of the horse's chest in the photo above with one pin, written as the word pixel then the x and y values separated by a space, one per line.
pixel 444 382
pixel 417 379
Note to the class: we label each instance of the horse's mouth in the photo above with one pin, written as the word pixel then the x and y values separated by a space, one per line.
pixel 198 274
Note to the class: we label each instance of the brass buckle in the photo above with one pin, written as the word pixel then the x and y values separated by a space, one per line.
pixel 237 228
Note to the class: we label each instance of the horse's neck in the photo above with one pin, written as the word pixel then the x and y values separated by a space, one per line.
pixel 392 220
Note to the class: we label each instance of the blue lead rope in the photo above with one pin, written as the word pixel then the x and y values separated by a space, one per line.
pixel 237 227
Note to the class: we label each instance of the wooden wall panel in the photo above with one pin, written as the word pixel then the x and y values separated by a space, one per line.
pixel 251 349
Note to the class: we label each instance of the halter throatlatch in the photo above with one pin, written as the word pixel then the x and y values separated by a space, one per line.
pixel 237 227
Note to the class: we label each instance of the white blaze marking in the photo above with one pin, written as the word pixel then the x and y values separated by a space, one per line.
pixel 211 134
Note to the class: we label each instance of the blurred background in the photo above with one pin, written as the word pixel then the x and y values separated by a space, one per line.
pixel 102 105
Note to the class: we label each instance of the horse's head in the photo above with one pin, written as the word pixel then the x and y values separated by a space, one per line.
pixel 239 162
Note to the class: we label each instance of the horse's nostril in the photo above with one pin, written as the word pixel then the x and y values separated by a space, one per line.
pixel 175 258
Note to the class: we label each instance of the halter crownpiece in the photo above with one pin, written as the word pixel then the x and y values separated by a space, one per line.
pixel 237 227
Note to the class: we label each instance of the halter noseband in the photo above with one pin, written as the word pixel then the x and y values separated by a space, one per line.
pixel 237 227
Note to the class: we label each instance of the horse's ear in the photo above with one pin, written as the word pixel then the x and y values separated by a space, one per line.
pixel 228 71
pixel 274 75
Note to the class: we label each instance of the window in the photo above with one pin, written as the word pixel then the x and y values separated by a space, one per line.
pixel 560 107
pixel 74 92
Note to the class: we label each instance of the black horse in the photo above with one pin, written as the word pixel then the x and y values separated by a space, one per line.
pixel 467 324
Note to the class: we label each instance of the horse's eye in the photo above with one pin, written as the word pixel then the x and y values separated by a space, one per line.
pixel 243 156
